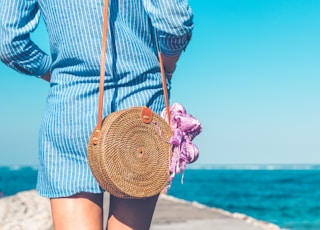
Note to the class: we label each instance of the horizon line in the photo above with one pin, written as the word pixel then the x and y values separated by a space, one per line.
pixel 195 166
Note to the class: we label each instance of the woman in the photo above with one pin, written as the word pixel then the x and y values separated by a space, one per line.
pixel 132 79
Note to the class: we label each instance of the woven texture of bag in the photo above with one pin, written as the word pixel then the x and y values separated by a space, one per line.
pixel 131 158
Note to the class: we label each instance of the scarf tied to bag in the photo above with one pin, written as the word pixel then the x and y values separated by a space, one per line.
pixel 185 128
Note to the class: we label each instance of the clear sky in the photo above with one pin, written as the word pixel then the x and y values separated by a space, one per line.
pixel 251 75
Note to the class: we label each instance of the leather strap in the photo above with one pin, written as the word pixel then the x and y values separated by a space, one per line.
pixel 102 71
pixel 103 62
pixel 164 86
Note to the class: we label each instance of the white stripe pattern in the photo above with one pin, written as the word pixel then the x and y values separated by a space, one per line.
pixel 132 71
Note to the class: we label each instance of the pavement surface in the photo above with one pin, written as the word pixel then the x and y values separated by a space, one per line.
pixel 28 211
pixel 177 214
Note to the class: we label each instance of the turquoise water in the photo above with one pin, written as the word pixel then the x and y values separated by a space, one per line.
pixel 289 198
pixel 17 179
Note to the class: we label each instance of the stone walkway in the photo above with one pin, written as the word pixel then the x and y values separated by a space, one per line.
pixel 28 211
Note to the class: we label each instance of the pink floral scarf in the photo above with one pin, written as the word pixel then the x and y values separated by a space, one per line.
pixel 185 128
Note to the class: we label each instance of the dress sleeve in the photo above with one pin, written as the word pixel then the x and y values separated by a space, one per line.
pixel 173 21
pixel 18 18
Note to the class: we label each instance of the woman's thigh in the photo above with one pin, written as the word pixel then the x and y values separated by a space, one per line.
pixel 83 211
pixel 125 214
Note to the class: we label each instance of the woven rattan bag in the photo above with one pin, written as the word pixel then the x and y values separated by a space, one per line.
pixel 129 151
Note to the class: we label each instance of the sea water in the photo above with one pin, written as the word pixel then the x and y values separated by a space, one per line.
pixel 288 197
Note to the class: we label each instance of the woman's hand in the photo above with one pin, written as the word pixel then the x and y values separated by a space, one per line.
pixel 169 63
pixel 46 76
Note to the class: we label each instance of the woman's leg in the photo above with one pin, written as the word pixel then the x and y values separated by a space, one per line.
pixel 125 214
pixel 83 211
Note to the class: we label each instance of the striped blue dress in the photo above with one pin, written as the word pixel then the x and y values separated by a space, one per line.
pixel 75 32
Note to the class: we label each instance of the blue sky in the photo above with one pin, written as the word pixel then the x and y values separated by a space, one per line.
pixel 251 75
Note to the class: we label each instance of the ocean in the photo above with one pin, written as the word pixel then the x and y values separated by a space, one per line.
pixel 288 196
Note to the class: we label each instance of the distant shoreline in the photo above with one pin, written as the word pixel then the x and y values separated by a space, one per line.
pixel 217 167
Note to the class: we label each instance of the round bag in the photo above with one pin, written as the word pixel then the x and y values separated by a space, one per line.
pixel 131 154
pixel 129 151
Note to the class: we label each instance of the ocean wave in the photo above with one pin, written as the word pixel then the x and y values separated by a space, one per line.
pixel 15 167
pixel 20 167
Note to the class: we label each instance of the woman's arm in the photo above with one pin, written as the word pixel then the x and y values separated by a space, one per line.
pixel 173 21
pixel 18 18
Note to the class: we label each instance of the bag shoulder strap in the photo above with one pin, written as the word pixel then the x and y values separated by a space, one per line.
pixel 102 70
